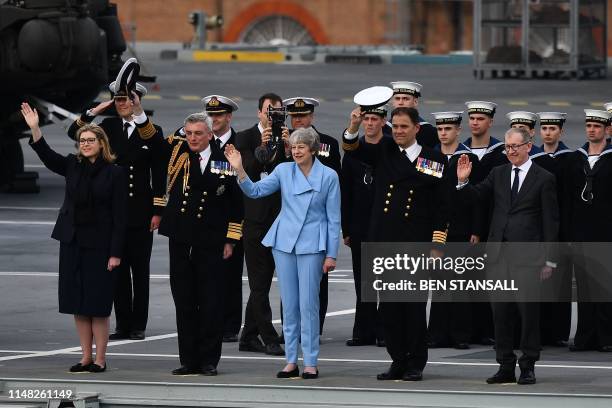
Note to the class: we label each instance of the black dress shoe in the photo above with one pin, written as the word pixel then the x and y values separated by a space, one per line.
pixel 80 368
pixel 578 347
pixel 462 346
pixel 310 376
pixel 395 372
pixel 274 349
pixel 412 375
pixel 502 377
pixel 605 349
pixel 254 346
pixel 527 376
pixel 381 343
pixel 94 368
pixel 436 344
pixel 209 370
pixel 186 370
pixel 356 341
pixel 289 374
pixel 119 335
pixel 230 338
pixel 137 335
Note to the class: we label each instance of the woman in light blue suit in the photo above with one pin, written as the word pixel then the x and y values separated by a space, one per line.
pixel 304 240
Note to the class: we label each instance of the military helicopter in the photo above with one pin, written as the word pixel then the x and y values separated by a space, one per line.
pixel 58 55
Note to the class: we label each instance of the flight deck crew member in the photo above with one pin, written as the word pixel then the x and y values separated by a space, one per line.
pixel 301 112
pixel 220 109
pixel 203 221
pixel 490 154
pixel 259 160
pixel 450 322
pixel 304 239
pixel 588 216
pixel 91 229
pixel 357 183
pixel 135 141
pixel 406 94
pixel 410 205
pixel 555 317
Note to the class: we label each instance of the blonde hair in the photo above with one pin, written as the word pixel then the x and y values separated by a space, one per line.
pixel 107 153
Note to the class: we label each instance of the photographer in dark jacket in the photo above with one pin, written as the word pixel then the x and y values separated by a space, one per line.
pixel 91 230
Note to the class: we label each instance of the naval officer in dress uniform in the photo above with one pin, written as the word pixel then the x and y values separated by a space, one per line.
pixel 203 221
pixel 220 109
pixel 136 142
pixel 301 114
pixel 410 205
pixel 406 94
pixel 450 322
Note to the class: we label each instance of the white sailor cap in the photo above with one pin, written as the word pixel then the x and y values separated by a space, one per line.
pixel 552 118
pixel 219 104
pixel 140 90
pixel 452 118
pixel 484 107
pixel 522 118
pixel 405 87
pixel 599 116
pixel 300 105
pixel 608 107
pixel 125 82
pixel 373 99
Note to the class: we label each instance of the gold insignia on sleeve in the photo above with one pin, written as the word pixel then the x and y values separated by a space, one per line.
pixel 234 230
pixel 439 236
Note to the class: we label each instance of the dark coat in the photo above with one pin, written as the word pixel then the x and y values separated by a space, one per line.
pixel 143 162
pixel 107 231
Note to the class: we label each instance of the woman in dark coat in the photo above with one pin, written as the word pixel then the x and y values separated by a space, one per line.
pixel 91 228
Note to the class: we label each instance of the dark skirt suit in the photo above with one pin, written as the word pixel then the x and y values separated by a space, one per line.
pixel 90 228
pixel 306 231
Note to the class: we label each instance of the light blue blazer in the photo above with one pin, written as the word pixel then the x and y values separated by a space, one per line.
pixel 309 219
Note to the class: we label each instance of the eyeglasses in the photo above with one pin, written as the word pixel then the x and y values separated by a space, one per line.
pixel 88 140
pixel 514 147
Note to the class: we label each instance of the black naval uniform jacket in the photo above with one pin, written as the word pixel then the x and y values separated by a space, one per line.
pixel 426 136
pixel 409 205
pixel 466 218
pixel 143 162
pixel 262 211
pixel 589 193
pixel 203 210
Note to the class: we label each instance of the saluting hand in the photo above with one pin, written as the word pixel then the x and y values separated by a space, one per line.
pixel 356 119
pixel 102 107
pixel 464 168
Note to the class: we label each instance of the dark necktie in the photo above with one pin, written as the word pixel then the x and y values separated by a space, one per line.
pixel 218 141
pixel 515 186
pixel 126 129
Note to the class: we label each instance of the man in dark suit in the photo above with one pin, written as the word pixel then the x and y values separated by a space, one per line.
pixel 301 112
pixel 203 221
pixel 410 205
pixel 524 210
pixel 220 109
pixel 406 94
pixel 136 142
pixel 259 159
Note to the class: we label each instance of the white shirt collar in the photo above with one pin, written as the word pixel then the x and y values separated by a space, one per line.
pixel 205 155
pixel 260 127
pixel 524 167
pixel 132 125
pixel 413 151
pixel 224 137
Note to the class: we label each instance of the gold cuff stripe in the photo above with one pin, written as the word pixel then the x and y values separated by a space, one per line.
pixel 159 201
pixel 147 131
pixel 234 235
pixel 349 147
pixel 80 123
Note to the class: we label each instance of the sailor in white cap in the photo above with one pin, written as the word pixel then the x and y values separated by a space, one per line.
pixel 407 208
pixel 137 144
pixel 589 193
pixel 490 152
pixel 220 110
pixel 371 113
pixel 407 94
pixel 551 129
pixel 450 323
pixel 608 107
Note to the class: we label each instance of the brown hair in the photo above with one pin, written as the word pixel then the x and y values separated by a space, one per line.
pixel 107 153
